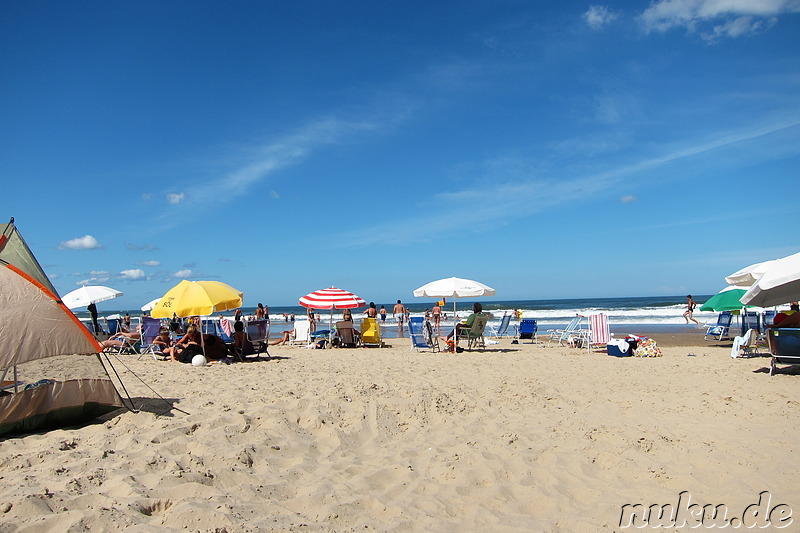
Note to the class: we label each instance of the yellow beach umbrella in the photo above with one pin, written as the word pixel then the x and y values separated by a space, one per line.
pixel 196 298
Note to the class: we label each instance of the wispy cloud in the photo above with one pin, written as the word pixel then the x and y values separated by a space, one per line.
pixel 491 207
pixel 598 16
pixel 148 263
pixel 185 273
pixel 87 242
pixel 627 199
pixel 722 18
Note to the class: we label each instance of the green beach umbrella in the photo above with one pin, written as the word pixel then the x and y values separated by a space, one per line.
pixel 728 299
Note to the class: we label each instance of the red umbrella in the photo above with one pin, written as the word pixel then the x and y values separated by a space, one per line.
pixel 332 298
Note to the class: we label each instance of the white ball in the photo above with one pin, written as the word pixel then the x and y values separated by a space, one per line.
pixel 199 360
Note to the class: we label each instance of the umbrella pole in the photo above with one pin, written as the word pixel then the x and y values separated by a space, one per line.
pixel 455 321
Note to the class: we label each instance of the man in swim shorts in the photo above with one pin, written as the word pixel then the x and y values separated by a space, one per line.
pixel 399 313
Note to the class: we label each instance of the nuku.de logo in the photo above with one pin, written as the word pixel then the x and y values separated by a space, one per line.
pixel 686 514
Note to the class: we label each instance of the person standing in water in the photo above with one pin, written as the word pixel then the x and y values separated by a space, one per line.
pixel 399 313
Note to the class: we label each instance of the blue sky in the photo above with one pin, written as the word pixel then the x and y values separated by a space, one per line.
pixel 548 149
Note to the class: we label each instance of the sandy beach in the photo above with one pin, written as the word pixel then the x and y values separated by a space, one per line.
pixel 519 437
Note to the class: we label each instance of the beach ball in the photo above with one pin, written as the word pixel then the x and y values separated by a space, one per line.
pixel 199 360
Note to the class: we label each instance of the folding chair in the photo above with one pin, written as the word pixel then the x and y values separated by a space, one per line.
pixel 474 335
pixel 257 332
pixel 527 329
pixel 502 328
pixel 422 337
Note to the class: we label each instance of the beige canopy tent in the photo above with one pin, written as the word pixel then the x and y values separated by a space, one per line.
pixel 52 374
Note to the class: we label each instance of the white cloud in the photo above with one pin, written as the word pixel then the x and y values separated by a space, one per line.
pixel 186 273
pixel 132 274
pixel 274 194
pixel 628 199
pixel 100 273
pixel 87 242
pixel 598 16
pixel 733 18
pixel 176 198
pixel 148 263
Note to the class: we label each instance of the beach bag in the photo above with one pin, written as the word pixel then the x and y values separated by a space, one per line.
pixel 647 348
pixel 188 354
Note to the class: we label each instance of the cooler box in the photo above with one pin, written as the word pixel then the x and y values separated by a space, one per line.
pixel 617 350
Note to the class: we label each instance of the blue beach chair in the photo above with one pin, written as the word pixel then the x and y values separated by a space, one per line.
pixel 721 328
pixel 751 320
pixel 502 329
pixel 422 337
pixel 527 329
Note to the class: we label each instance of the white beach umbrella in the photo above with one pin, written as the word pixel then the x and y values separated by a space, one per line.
pixel 454 288
pixel 780 284
pixel 89 294
pixel 150 305
pixel 745 277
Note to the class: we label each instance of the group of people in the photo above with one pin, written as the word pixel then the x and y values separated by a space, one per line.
pixel 190 344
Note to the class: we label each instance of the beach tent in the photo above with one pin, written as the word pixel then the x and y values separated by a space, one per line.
pixel 41 338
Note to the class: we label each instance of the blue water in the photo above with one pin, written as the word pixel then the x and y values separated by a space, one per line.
pixel 653 312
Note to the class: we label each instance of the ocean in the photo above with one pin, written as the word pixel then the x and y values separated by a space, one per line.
pixel 650 313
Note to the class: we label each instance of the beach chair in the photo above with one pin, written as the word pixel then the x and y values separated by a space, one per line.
pixel 346 335
pixel 563 335
pixel 257 332
pixel 746 345
pixel 209 326
pixel 526 329
pixel 784 345
pixel 599 333
pixel 767 318
pixel 502 329
pixel 721 328
pixel 150 329
pixel 474 335
pixel 302 333
pixel 371 332
pixel 113 325
pixel 751 320
pixel 420 338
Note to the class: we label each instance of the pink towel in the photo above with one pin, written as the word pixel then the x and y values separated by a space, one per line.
pixel 226 326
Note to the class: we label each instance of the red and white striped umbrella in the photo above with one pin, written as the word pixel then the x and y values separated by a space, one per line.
pixel 332 298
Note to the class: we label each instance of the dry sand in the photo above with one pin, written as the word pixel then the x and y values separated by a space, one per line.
pixel 520 437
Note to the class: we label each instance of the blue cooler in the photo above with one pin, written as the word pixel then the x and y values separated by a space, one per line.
pixel 615 350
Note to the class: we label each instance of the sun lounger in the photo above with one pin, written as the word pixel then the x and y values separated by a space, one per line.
pixel 784 344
